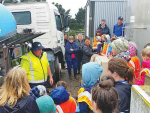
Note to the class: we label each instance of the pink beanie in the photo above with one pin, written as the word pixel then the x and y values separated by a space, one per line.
pixel 132 49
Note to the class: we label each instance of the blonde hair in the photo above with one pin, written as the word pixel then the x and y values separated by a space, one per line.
pixel 146 51
pixel 71 37
pixel 80 35
pixel 15 87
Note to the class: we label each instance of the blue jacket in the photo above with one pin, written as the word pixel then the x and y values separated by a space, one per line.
pixel 118 30
pixel 26 104
pixel 60 95
pixel 124 91
pixel 69 53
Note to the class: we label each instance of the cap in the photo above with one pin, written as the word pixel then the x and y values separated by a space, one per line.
pixel 36 46
pixel 120 18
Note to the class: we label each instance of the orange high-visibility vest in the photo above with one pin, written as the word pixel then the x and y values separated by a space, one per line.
pixel 105 47
pixel 67 107
pixel 84 96
pixel 135 64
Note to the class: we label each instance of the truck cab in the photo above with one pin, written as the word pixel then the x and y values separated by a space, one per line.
pixel 42 18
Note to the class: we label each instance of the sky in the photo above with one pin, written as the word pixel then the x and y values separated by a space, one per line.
pixel 74 5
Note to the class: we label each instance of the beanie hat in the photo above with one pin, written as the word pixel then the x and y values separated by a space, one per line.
pixel 132 49
pixel 120 45
pixel 91 72
pixel 46 104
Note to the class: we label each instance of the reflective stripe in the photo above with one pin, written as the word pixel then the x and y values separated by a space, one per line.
pixel 39 81
pixel 132 63
pixel 146 69
pixel 59 109
pixel 31 69
pixel 85 93
pixel 85 97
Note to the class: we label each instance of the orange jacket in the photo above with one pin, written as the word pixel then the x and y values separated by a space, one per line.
pixel 135 64
pixel 105 48
pixel 67 107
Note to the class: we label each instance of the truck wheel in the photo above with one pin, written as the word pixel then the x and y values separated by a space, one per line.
pixel 57 69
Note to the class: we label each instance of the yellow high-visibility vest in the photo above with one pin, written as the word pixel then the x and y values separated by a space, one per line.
pixel 84 96
pixel 36 68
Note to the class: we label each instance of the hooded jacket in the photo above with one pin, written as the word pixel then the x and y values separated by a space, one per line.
pixel 26 104
pixel 105 30
pixel 124 91
pixel 62 98
pixel 90 73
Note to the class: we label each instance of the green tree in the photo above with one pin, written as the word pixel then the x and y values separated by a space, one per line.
pixel 80 17
pixel 61 9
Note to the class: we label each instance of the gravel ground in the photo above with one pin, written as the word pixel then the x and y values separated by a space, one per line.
pixel 73 85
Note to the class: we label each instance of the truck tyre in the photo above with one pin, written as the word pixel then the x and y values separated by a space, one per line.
pixel 57 69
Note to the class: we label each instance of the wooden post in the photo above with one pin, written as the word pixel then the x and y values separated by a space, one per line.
pixel 6 57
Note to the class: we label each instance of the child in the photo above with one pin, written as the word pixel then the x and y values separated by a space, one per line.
pixel 97 41
pixel 106 44
pixel 134 62
pixel 90 74
pixel 145 66
pixel 64 102
pixel 104 96
pixel 46 104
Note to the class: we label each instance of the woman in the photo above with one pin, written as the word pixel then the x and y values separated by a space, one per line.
pixel 104 96
pixel 124 77
pixel 71 56
pixel 87 51
pixel 14 94
pixel 79 44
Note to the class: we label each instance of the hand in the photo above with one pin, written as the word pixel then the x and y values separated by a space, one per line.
pixel 51 80
pixel 71 49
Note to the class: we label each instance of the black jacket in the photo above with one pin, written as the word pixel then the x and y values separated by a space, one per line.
pixel 87 53
pixel 124 91
pixel 24 105
pixel 105 30
pixel 80 46
pixel 65 42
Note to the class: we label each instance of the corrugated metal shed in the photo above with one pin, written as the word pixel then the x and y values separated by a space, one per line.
pixel 109 10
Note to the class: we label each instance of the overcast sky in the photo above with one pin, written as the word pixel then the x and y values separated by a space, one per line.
pixel 74 5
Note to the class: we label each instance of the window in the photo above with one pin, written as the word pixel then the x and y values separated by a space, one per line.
pixel 58 22
pixel 22 18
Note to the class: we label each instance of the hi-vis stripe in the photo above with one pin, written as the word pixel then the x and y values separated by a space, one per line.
pixel 85 97
pixel 132 63
pixel 59 110
pixel 31 69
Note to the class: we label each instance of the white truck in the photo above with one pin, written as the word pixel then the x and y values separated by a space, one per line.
pixel 42 17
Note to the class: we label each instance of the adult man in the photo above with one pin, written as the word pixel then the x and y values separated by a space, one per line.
pixel 118 28
pixel 80 44
pixel 36 66
pixel 104 27
pixel 65 39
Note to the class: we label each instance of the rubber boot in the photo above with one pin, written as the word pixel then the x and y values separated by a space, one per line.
pixel 75 74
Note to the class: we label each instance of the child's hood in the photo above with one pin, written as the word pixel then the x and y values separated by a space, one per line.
pixel 60 95
pixel 146 64
pixel 91 72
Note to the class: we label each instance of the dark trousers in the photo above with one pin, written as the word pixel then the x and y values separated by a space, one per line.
pixel 32 85
pixel 71 63
pixel 79 62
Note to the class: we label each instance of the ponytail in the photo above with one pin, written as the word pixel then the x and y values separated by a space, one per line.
pixel 130 75
pixel 105 96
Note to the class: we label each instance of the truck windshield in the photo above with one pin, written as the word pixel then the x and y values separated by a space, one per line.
pixel 58 22
pixel 22 18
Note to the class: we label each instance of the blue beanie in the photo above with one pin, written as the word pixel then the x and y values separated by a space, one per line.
pixel 91 72
pixel 46 104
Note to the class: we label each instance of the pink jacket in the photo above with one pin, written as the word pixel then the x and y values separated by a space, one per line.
pixel 145 64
